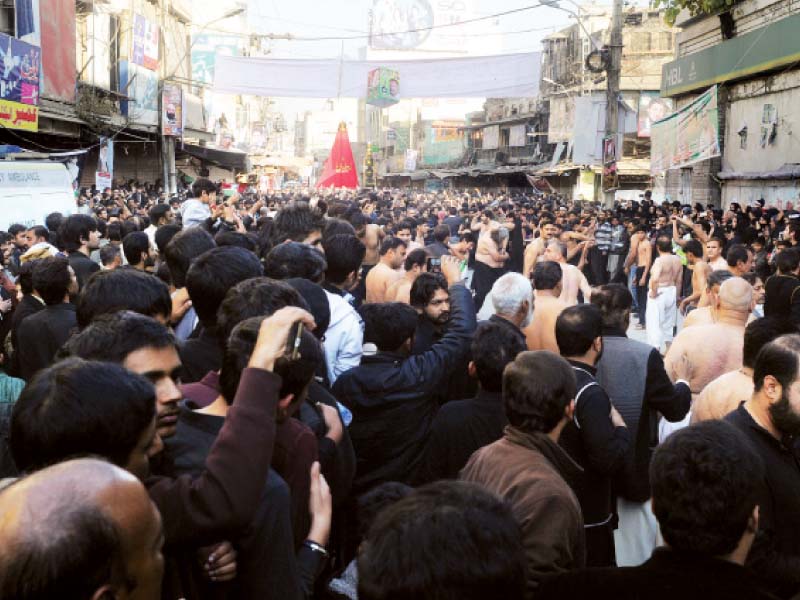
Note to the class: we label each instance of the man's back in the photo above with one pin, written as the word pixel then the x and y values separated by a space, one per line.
pixel 517 469
pixel 379 278
pixel 667 575
pixel 782 294
pixel 41 335
pixel 459 429
pixel 722 396
pixel 541 333
pixel 711 350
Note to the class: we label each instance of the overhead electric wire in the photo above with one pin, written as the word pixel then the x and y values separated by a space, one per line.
pixel 300 38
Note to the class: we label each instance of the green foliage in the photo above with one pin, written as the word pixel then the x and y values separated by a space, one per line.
pixel 695 7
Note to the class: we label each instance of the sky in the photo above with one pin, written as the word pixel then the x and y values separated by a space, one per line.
pixel 519 32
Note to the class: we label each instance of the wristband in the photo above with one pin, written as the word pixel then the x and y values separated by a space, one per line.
pixel 315 547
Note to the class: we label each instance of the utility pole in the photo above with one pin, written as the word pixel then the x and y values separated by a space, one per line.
pixel 612 91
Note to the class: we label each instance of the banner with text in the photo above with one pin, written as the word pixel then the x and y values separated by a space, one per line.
pixel 687 136
pixel 19 84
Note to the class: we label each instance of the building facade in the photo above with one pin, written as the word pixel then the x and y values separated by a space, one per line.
pixel 752 54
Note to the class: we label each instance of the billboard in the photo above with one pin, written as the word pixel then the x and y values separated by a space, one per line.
pixel 141 86
pixel 58 49
pixel 172 110
pixel 687 136
pixel 105 164
pixel 145 43
pixel 19 84
pixel 204 50
pixel 651 109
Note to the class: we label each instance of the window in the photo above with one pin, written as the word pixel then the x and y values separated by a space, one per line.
pixel 7 17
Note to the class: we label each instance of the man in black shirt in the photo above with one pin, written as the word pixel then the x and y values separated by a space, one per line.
pixel 771 421
pixel 597 438
pixel 462 427
pixel 705 495
pixel 41 334
pixel 78 236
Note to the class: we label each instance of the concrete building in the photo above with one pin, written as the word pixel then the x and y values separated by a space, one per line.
pixel 751 52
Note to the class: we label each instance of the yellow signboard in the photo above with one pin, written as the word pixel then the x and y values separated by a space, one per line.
pixel 15 115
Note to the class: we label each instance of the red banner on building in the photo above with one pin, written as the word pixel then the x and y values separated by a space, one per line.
pixel 340 168
pixel 58 49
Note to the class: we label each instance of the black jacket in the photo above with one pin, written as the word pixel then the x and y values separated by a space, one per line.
pixel 592 440
pixel 392 398
pixel 199 355
pixel 666 575
pixel 782 297
pixel 28 306
pixel 776 552
pixel 41 335
pixel 83 266
pixel 459 429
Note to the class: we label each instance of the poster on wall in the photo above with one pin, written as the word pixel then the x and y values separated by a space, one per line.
pixel 687 136
pixel 27 21
pixel 58 49
pixel 19 84
pixel 410 163
pixel 651 109
pixel 172 110
pixel 142 86
pixel 145 43
pixel 105 163
pixel 610 173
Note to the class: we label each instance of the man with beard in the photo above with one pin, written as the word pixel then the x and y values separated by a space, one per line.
pixel 430 298
pixel 387 271
pixel 536 248
pixel 771 421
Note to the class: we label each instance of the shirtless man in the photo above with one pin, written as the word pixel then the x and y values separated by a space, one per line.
pixel 535 250
pixel 386 272
pixel 415 264
pixel 573 279
pixel 541 333
pixel 644 258
pixel 714 255
pixel 665 281
pixel 713 349
pixel 693 251
pixel 371 236
pixel 727 391
pixel 706 315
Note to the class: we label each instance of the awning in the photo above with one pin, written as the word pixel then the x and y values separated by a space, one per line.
pixel 230 159
pixel 787 171
pixel 631 167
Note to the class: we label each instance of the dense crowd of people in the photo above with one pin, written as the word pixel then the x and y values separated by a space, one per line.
pixel 399 394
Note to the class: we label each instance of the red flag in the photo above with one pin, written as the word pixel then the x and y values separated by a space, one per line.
pixel 340 168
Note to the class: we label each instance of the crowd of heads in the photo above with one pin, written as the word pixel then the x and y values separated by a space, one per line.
pixel 94 421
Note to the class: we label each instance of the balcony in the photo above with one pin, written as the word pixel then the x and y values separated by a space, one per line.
pixel 507 155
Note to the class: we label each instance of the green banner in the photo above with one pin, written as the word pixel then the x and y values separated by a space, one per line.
pixel 686 136
pixel 772 46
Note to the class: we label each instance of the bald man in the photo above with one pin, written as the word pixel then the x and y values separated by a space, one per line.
pixel 573 279
pixel 82 529
pixel 541 333
pixel 713 349
pixel 705 313
pixel 729 390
